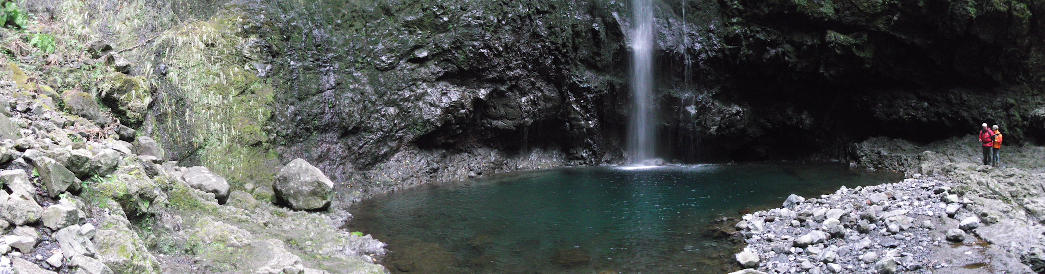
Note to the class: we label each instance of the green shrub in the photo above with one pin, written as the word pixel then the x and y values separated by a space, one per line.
pixel 10 15
pixel 43 41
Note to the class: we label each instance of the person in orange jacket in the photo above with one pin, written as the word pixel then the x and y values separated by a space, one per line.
pixel 996 152
pixel 987 138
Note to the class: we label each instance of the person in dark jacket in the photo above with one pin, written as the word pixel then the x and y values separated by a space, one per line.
pixel 987 139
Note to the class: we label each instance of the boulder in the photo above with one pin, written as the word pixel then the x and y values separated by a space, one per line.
pixel 126 133
pixel 869 257
pixel 8 129
pixel 104 162
pixel 20 211
pixel 969 223
pixel 146 146
pixel 748 258
pixel 18 181
pixel 201 178
pixel 813 237
pixel 85 105
pixel 747 271
pixel 89 265
pixel 793 200
pixel 97 49
pixel 835 214
pixel 61 215
pixel 303 186
pixel 269 257
pixel 835 268
pixel 127 96
pixel 23 266
pixel 829 257
pixel 121 250
pixel 55 177
pixel 78 161
pixel 73 242
pixel 955 235
pixel 24 244
pixel 952 209
pixel 886 265
pixel 56 259
pixel 833 227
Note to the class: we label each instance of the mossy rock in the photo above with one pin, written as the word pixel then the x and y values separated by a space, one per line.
pixel 121 249
pixel 127 96
pixel 83 104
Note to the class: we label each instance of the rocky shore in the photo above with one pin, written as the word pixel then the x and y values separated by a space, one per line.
pixel 950 215
pixel 81 195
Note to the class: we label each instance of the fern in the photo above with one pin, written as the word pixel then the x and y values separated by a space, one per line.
pixel 12 16
pixel 43 41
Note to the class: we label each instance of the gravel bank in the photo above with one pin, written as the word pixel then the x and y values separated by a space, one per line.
pixel 961 217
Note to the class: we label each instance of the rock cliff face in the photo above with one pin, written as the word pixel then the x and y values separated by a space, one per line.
pixel 396 94
pixel 385 94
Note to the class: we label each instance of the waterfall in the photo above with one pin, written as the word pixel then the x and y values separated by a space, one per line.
pixel 641 129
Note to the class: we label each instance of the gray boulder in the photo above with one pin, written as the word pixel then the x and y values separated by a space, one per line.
pixel 886 265
pixel 303 186
pixel 969 223
pixel 78 161
pixel 8 129
pixel 18 181
pixel 20 211
pixel 793 200
pixel 73 242
pixel 61 215
pixel 201 178
pixel 85 105
pixel 105 162
pixel 813 237
pixel 26 267
pixel 952 209
pixel 747 271
pixel 747 258
pixel 24 244
pixel 55 177
pixel 146 146
pixel 869 257
pixel 955 235
pixel 89 265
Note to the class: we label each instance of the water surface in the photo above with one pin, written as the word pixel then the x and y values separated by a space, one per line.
pixel 587 219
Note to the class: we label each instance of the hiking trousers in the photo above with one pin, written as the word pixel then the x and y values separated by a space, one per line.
pixel 996 156
pixel 987 155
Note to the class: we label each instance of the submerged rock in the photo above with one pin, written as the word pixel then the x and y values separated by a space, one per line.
pixel 303 186
pixel 571 257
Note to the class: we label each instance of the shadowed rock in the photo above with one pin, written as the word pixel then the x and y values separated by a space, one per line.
pixel 303 186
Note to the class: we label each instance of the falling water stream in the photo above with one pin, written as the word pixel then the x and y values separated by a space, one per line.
pixel 642 132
